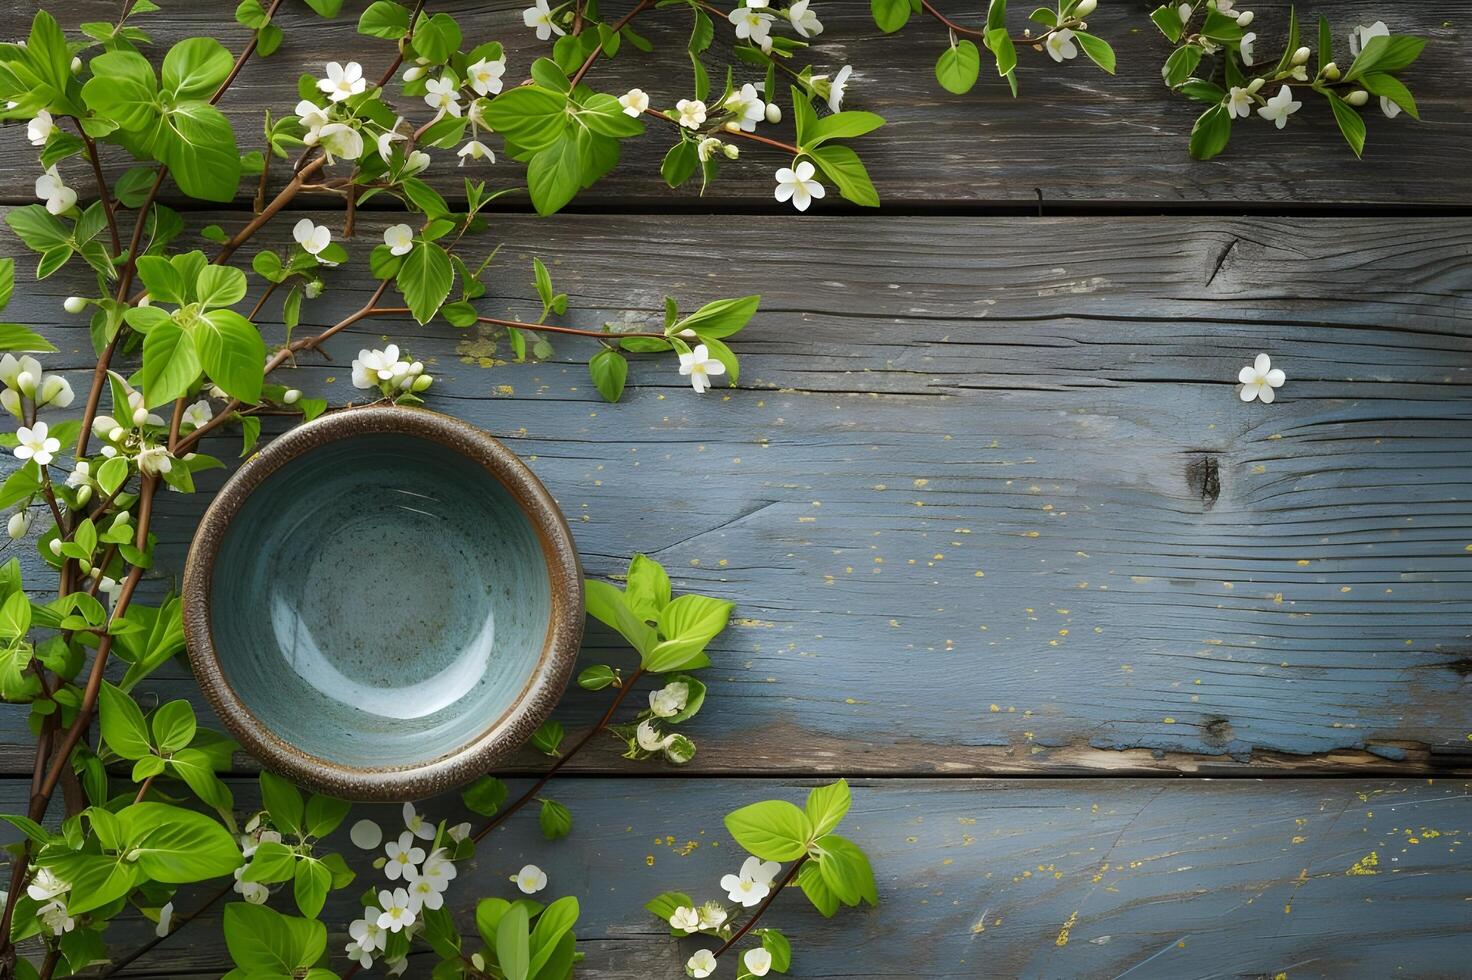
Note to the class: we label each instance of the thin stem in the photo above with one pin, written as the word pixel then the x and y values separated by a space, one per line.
pixel 529 795
pixel 109 207
pixel 778 144
pixel 117 966
pixel 244 57
pixel 403 44
pixel 282 199
pixel 642 6
pixel 143 790
pixel 771 897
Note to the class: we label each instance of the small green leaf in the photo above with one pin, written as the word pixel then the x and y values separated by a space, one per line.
pixel 826 806
pixel 425 279
pixel 485 796
pixel 958 67
pixel 774 830
pixel 554 819
pixel 609 371
pixel 123 727
pixel 597 677
pixel 1351 124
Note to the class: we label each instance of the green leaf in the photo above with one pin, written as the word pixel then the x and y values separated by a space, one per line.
pixel 232 353
pixel 485 796
pixel 842 166
pixel 958 67
pixel 529 117
pixel 219 286
pixel 721 318
pixel 326 8
pixel 173 726
pixel 197 143
pixel 843 125
pixel 513 943
pixel 425 279
pixel 324 814
pixel 555 175
pixel 554 819
pixel 1097 49
pixel 437 38
pixel 678 165
pixel 195 769
pixel 38 228
pixel 555 922
pixel 1390 87
pixel 264 943
pixel 890 15
pixel 96 880
pixel 284 802
pixel 774 830
pixel 648 588
pixel 846 871
pixel 311 885
pixel 123 727
pixel 174 845
pixel 1385 54
pixel 694 617
pixel 1210 133
pixel 1326 42
pixel 384 19
pixel 548 737
pixel 195 67
pixel 609 371
pixel 1168 20
pixel 597 677
pixel 15 616
pixel 826 806
pixel 272 861
pixel 774 942
pixel 663 905
pixel 1351 124
pixel 7 281
pixel 816 889
pixel 123 89
pixel 1181 63
pixel 14 337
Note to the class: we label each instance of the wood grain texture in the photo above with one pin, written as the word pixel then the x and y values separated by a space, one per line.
pixel 989 878
pixel 988 501
pixel 1075 136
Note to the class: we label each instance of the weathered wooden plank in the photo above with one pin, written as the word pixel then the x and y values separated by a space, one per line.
pixel 961 504
pixel 978 878
pixel 1075 136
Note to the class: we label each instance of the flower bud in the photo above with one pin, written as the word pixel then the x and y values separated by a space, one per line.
pixel 103 425
pixel 85 566
pixel 76 65
pixel 1358 97
pixel 1331 72
pixel 1085 7
pixel 123 519
pixel 19 524
pixel 52 390
pixel 84 494
pixel 140 415
pixel 313 289
pixel 417 368
pixel 732 127
pixel 10 401
pixel 731 150
pixel 115 434
pixel 26 382
pixel 56 547
pixel 421 383
pixel 1301 56
pixel 1244 18
pixel 291 396
pixel 145 300
pixel 774 113
pixel 413 73
pixel 1254 85
pixel 74 304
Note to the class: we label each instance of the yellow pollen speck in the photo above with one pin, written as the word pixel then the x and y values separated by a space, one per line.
pixel 1365 865
pixel 1062 939
pixel 1169 720
pixel 1303 561
pixel 649 860
pixel 995 708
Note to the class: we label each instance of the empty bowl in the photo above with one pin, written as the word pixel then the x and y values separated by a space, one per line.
pixel 383 603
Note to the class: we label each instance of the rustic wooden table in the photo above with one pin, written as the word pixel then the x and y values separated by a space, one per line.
pixel 1130 678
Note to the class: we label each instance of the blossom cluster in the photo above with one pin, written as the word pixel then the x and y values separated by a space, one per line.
pixel 747 888
pixel 389 373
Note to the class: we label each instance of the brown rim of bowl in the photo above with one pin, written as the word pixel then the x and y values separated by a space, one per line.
pixel 496 741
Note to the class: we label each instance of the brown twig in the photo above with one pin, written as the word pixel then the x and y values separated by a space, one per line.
pixel 403 44
pixel 109 207
pixel 117 966
pixel 771 897
pixel 639 8
pixel 529 795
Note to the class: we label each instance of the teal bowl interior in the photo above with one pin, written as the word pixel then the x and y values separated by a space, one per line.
pixel 381 602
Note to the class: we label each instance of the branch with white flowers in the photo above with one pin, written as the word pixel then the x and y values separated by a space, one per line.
pixel 1237 82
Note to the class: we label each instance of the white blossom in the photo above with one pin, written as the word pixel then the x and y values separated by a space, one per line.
pixel 366 932
pixel 746 106
pixel 758 961
pixel 685 919
pixel 340 140
pixel 312 117
pixel 357 954
pixel 669 700
pixel 459 832
pixel 373 367
pixel 700 367
pixel 154 461
pixel 54 390
pixel 414 821
pixel 485 76
pixel 1280 107
pixel 1060 46
pixel 1259 378
pixel 837 88
pixel 1390 107
pixel 397 914
pixel 342 81
pixel 403 858
pixel 1245 47
pixel 530 879
pixel 51 189
pixel 18 525
pixel 36 444
pixel 418 162
pixel 753 24
pixel 399 239
pixel 388 138
pixel 438 870
pixel 753 883
pixel 165 920
pixel 46 885
pixel 1239 103
pixel 1362 35
pixel 198 414
pixel 74 304
pixel 706 147
pixel 701 965
pixel 475 150
pixel 56 918
pixel 713 915
pixel 539 17
pixel 311 236
pixel 39 129
pixel 796 184
pixel 648 737
pixel 396 967
pixel 692 113
pixel 443 94
pixel 422 895
pixel 804 19
pixel 252 891
pixel 634 101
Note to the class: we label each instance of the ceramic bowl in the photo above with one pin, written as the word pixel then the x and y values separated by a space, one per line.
pixel 383 603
